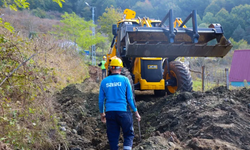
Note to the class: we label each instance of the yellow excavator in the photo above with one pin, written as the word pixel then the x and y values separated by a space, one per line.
pixel 148 49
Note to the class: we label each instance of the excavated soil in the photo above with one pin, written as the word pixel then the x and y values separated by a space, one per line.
pixel 218 119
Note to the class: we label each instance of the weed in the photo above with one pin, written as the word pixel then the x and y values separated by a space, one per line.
pixel 27 116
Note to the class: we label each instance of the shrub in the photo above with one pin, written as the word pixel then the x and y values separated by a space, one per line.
pixel 30 73
pixel 39 13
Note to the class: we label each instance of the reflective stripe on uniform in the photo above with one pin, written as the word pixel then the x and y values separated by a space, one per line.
pixel 127 148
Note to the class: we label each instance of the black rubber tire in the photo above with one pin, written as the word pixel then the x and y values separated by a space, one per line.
pixel 183 76
pixel 159 93
pixel 127 74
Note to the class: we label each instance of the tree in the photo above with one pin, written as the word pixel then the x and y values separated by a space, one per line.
pixel 14 5
pixel 223 17
pixel 125 4
pixel 209 18
pixel 187 6
pixel 247 34
pixel 204 25
pixel 108 18
pixel 101 6
pixel 241 15
pixel 242 44
pixel 78 30
pixel 144 9
pixel 238 33
pixel 214 7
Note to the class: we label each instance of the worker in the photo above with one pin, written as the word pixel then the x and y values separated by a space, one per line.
pixel 102 64
pixel 117 93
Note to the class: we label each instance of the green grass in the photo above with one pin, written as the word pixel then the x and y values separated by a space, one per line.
pixel 197 85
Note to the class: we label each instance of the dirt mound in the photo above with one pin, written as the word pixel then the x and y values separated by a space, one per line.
pixel 78 107
pixel 95 73
pixel 216 119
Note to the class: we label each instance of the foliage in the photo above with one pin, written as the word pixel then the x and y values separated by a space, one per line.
pixel 22 4
pixel 14 5
pixel 59 2
pixel 187 6
pixel 244 12
pixel 242 44
pixel 238 33
pixel 29 76
pixel 20 126
pixel 27 23
pixel 27 117
pixel 144 8
pixel 216 5
pixel 6 25
pixel 197 85
pixel 240 19
pixel 108 18
pixel 229 13
pixel 77 29
pixel 245 83
pixel 39 13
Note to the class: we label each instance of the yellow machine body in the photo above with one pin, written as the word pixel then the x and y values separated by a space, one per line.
pixel 142 43
pixel 144 85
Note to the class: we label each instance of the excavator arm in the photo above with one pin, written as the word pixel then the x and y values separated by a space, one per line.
pixel 147 38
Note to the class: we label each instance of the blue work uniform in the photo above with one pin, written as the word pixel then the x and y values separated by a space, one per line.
pixel 116 91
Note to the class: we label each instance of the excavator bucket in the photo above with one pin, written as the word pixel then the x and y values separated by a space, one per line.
pixel 159 41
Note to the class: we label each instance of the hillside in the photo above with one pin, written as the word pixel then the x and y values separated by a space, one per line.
pixel 231 14
pixel 26 23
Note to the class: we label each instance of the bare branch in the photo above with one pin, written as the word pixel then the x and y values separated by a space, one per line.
pixel 23 63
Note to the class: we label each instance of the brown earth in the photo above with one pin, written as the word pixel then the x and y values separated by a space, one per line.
pixel 4 146
pixel 218 119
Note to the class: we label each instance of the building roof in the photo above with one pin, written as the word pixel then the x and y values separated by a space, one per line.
pixel 240 67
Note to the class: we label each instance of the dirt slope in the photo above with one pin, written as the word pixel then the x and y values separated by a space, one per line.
pixel 218 119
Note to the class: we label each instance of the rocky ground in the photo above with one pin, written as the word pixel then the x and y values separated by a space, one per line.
pixel 218 119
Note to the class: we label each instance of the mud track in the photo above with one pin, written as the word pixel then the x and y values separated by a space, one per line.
pixel 217 119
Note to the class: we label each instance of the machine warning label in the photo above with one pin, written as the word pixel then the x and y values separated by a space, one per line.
pixel 152 67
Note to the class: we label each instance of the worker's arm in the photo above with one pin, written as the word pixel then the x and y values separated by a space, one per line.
pixel 100 64
pixel 130 96
pixel 101 104
pixel 131 101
